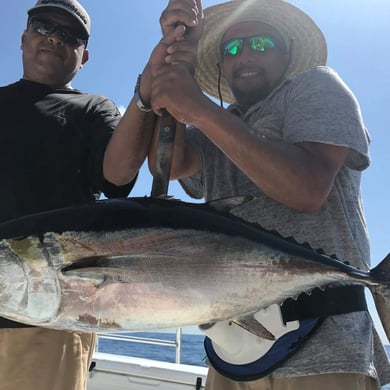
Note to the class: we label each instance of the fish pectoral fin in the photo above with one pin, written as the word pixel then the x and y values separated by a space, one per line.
pixel 97 276
pixel 253 326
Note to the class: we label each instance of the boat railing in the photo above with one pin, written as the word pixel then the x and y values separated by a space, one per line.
pixel 145 340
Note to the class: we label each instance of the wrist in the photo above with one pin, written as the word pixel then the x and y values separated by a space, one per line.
pixel 138 99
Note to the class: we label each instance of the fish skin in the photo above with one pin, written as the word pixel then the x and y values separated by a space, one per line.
pixel 145 264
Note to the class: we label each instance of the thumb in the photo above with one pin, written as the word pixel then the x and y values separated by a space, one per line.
pixel 174 35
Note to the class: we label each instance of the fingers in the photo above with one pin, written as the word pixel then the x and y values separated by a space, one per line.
pixel 175 90
pixel 174 35
pixel 196 31
pixel 184 12
pixel 160 52
pixel 164 80
pixel 182 25
pixel 184 52
pixel 173 49
pixel 159 56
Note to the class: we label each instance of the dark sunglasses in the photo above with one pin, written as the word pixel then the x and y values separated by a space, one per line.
pixel 258 43
pixel 47 28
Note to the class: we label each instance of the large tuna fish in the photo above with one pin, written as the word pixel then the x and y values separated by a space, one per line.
pixel 144 263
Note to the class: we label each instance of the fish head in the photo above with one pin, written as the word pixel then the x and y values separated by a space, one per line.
pixel 29 288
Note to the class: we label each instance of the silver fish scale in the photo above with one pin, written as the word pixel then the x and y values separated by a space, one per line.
pixel 152 279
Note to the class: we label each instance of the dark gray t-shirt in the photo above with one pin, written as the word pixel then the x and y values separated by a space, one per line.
pixel 315 106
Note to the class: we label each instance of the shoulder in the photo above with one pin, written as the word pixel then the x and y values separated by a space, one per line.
pixel 321 78
pixel 14 95
pixel 317 73
pixel 321 84
pixel 10 88
pixel 101 101
pixel 92 103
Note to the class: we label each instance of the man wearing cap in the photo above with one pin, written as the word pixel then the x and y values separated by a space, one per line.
pixel 52 149
pixel 294 140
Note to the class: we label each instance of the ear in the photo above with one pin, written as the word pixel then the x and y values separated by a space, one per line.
pixel 23 39
pixel 85 56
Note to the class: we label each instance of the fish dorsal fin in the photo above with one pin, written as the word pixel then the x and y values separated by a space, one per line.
pixel 225 205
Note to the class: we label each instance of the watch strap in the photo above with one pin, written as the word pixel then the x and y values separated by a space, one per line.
pixel 137 97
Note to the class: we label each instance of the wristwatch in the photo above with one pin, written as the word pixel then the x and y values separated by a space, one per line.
pixel 137 97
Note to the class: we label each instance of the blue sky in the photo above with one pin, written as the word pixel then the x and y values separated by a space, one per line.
pixel 125 31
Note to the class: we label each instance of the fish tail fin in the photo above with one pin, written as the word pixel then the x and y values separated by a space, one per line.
pixel 381 292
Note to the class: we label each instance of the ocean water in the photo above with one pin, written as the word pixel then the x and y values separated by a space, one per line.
pixel 192 351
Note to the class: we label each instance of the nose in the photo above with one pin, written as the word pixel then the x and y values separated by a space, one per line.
pixel 247 54
pixel 55 39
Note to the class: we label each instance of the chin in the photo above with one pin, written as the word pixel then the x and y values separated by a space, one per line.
pixel 250 97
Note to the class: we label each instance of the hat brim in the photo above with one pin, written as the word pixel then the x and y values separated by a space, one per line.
pixel 302 36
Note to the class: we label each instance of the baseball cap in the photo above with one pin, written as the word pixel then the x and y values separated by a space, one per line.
pixel 71 7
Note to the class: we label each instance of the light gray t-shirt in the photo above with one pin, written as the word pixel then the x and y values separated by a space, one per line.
pixel 315 106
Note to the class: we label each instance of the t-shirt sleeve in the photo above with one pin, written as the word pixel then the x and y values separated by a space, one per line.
pixel 321 108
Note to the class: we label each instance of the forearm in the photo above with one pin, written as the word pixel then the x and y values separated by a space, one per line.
pixel 299 176
pixel 129 145
pixel 131 141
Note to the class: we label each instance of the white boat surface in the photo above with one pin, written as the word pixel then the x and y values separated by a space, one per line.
pixel 115 372
pixel 118 372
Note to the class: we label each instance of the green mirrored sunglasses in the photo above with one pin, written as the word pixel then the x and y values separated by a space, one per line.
pixel 258 43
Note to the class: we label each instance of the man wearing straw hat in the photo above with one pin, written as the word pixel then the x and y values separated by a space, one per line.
pixel 292 139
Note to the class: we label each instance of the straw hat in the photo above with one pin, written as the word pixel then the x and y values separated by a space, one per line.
pixel 301 36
